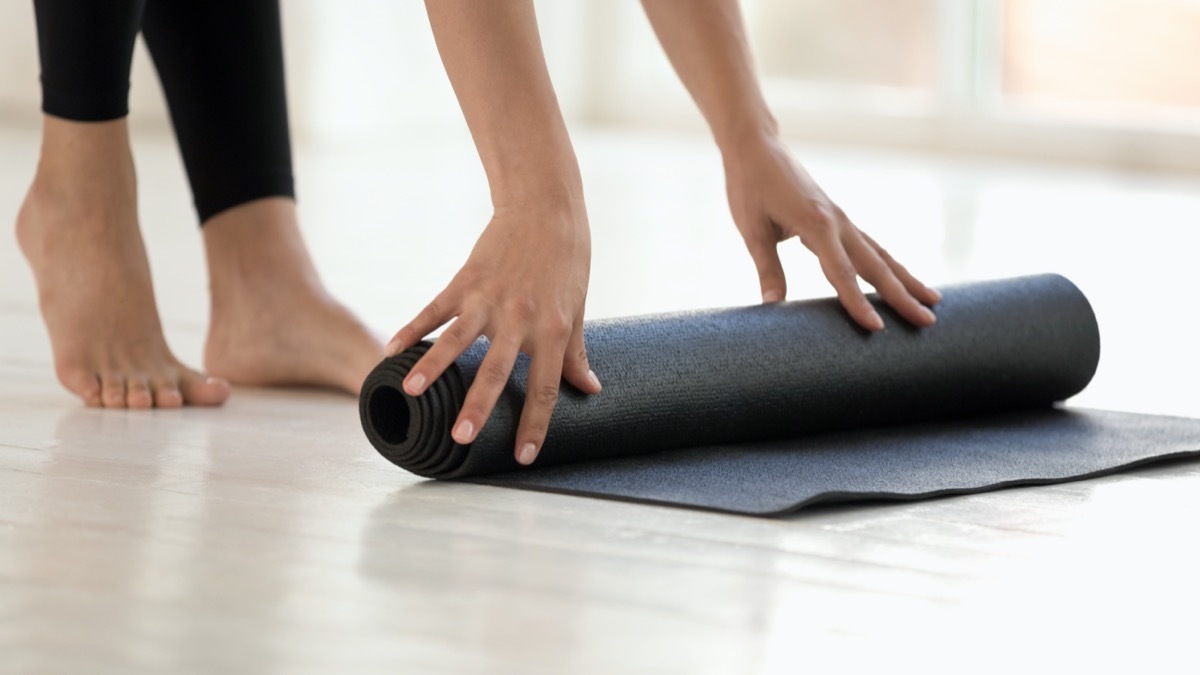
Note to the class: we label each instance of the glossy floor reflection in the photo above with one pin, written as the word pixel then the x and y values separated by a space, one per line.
pixel 268 537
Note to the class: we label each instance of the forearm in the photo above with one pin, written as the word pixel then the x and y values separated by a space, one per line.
pixel 493 56
pixel 706 43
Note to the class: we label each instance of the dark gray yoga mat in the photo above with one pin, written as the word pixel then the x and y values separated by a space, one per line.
pixel 765 409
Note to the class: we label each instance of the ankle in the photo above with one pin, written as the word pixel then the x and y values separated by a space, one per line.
pixel 255 248
pixel 85 174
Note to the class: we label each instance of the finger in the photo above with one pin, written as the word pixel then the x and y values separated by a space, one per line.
pixel 541 395
pixel 576 368
pixel 771 279
pixel 927 295
pixel 877 273
pixel 436 313
pixel 836 266
pixel 452 343
pixel 489 382
pixel 137 394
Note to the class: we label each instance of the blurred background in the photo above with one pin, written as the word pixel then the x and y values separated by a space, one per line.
pixel 1100 81
pixel 973 138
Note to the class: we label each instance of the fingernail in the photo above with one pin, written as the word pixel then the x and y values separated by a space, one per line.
pixel 937 295
pixel 929 315
pixel 772 296
pixel 414 384
pixel 465 432
pixel 875 320
pixel 594 380
pixel 392 348
pixel 212 380
pixel 527 454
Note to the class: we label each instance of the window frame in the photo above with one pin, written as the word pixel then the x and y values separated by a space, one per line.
pixel 967 113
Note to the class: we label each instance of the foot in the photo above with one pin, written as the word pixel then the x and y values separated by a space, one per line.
pixel 78 229
pixel 273 323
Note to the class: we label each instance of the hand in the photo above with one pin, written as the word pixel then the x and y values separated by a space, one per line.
pixel 773 198
pixel 524 287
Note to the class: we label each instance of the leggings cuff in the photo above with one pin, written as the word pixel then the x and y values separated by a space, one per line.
pixel 93 106
pixel 214 202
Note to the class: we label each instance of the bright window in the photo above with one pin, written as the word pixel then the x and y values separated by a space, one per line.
pixel 1119 60
pixel 1104 81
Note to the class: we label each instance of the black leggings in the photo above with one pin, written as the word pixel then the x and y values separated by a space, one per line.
pixel 221 66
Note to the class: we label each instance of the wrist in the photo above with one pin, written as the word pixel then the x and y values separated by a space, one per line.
pixel 556 193
pixel 530 175
pixel 747 132
pixel 524 191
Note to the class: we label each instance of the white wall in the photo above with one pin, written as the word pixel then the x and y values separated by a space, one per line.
pixel 363 70
pixel 354 69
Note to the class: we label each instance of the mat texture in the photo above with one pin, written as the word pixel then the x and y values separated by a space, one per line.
pixel 762 410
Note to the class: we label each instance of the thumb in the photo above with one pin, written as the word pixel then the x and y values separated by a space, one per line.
pixel 771 278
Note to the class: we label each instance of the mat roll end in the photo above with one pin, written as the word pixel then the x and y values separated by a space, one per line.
pixel 413 432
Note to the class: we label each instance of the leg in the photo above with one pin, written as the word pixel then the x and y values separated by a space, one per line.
pixel 273 323
pixel 78 226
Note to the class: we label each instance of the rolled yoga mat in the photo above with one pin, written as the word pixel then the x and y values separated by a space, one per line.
pixel 763 410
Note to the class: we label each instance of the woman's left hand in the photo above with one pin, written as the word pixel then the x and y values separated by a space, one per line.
pixel 772 199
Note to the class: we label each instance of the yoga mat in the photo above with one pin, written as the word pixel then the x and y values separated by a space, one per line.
pixel 763 410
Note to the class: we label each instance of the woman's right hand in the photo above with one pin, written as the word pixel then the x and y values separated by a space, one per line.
pixel 524 287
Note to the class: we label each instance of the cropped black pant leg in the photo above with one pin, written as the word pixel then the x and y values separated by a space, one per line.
pixel 221 66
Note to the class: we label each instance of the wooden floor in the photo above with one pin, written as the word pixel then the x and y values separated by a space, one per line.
pixel 268 537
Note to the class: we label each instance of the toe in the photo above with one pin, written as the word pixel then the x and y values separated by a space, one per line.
pixel 137 393
pixel 83 383
pixel 353 383
pixel 166 394
pixel 113 390
pixel 200 389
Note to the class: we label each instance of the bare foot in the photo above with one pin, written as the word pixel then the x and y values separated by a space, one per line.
pixel 273 323
pixel 78 229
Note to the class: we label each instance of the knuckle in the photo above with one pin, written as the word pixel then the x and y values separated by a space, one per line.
pixel 897 289
pixel 844 273
pixel 820 233
pixel 494 374
pixel 473 411
pixel 579 355
pixel 510 340
pixel 880 254
pixel 879 268
pixel 880 261
pixel 433 310
pixel 455 332
pixel 409 335
pixel 823 213
pixel 557 327
pixel 769 274
pixel 766 255
pixel 536 430
pixel 428 365
pixel 522 310
pixel 546 394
